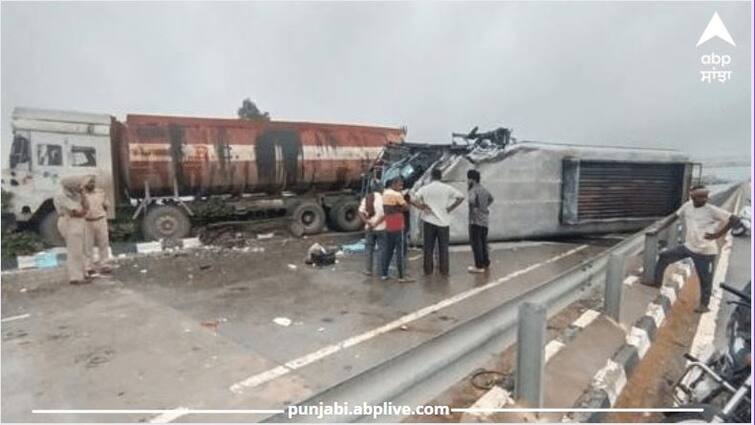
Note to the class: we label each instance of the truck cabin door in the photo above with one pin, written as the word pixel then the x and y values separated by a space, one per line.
pixel 47 156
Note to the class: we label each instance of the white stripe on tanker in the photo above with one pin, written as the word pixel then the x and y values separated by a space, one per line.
pixel 159 152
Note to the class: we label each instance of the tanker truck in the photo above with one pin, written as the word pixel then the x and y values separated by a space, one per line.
pixel 161 170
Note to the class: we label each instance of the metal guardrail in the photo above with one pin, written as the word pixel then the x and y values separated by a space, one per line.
pixel 432 366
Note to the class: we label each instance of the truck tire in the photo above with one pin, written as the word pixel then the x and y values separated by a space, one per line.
pixel 345 216
pixel 311 216
pixel 48 229
pixel 165 222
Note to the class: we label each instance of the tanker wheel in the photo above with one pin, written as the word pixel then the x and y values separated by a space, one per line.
pixel 48 229
pixel 165 222
pixel 345 216
pixel 311 216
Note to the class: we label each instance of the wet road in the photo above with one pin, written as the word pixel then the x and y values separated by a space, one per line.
pixel 196 330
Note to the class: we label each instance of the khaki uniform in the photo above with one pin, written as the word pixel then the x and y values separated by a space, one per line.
pixel 73 229
pixel 97 230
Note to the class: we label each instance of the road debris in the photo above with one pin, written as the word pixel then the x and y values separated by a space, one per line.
pixel 282 321
pixel 265 235
pixel 292 266
pixel 318 255
pixel 354 248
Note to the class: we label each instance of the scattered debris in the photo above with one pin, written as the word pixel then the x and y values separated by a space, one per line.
pixel 212 324
pixel 292 266
pixel 46 259
pixel 354 248
pixel 265 235
pixel 23 290
pixel 404 328
pixel 205 266
pixel 320 329
pixel 143 271
pixel 318 255
pixel 282 321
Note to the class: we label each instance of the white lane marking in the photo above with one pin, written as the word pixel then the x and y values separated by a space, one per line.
pixel 656 312
pixel 612 378
pixel 552 348
pixel 149 247
pixel 26 262
pixel 12 318
pixel 586 318
pixel 261 378
pixel 638 337
pixel 702 344
pixel 631 280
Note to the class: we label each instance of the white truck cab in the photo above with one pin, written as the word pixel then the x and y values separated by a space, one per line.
pixel 47 146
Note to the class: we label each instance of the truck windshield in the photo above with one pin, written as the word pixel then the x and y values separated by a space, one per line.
pixel 20 152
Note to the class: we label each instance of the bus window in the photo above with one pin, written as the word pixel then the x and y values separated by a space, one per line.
pixel 19 152
pixel 50 155
pixel 83 156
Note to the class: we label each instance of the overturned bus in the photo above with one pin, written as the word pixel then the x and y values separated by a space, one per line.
pixel 545 190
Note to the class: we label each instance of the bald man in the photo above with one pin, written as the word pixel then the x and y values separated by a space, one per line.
pixel 705 224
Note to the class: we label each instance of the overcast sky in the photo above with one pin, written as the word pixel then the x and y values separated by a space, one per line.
pixel 592 73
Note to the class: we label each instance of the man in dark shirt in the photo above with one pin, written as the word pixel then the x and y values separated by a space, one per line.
pixel 479 201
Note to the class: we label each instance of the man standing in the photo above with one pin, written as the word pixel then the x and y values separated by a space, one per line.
pixel 705 223
pixel 436 201
pixel 72 207
pixel 479 201
pixel 371 212
pixel 96 227
pixel 394 206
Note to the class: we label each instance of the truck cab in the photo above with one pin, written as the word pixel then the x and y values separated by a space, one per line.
pixel 47 146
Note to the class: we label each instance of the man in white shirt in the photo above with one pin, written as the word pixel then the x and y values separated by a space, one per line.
pixel 436 201
pixel 371 213
pixel 705 224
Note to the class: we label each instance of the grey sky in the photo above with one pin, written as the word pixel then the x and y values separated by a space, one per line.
pixel 593 73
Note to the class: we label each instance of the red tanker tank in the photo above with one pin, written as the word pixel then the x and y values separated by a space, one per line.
pixel 217 156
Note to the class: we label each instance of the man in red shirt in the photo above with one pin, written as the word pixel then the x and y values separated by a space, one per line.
pixel 394 207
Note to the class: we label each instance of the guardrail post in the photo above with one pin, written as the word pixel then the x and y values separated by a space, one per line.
pixel 614 282
pixel 650 257
pixel 530 355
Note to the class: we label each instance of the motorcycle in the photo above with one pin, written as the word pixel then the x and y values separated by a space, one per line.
pixel 745 222
pixel 721 386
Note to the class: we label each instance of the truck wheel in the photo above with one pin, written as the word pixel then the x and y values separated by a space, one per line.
pixel 345 216
pixel 311 216
pixel 48 229
pixel 165 222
